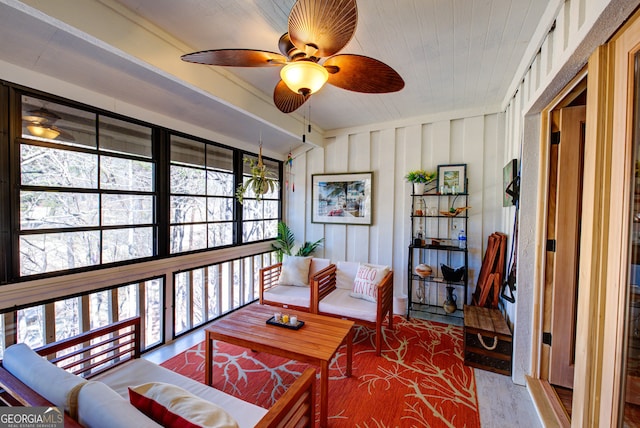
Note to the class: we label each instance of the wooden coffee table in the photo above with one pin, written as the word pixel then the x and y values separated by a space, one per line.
pixel 315 343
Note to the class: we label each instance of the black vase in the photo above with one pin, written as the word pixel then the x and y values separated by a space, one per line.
pixel 450 303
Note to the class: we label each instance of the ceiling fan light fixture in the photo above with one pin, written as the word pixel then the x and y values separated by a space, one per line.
pixel 304 77
pixel 46 132
pixel 41 116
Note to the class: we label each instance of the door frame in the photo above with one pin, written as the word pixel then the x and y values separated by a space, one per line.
pixel 549 405
pixel 604 238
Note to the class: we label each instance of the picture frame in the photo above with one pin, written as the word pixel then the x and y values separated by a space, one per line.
pixel 509 173
pixel 452 179
pixel 342 198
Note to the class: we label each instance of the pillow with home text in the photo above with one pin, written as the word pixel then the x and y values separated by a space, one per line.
pixel 368 277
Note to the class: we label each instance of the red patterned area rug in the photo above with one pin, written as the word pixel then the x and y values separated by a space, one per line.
pixel 419 381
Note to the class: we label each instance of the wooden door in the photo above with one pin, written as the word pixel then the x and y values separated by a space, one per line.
pixel 564 243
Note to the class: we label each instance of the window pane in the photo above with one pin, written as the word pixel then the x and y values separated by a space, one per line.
pixel 54 210
pixel 124 137
pixel 128 301
pixel 31 326
pixel 252 210
pixel 270 229
pixel 187 152
pixel 153 311
pixel 126 174
pixel 127 244
pixel 67 318
pixel 186 209
pixel 99 309
pixel 252 231
pixel 188 181
pixel 213 292
pixel 197 307
pixel 127 209
pixel 220 209
pixel 271 209
pixel 47 121
pixel 220 234
pixel 58 251
pixel 219 158
pixel 188 238
pixel 181 286
pixel 219 183
pixel 41 166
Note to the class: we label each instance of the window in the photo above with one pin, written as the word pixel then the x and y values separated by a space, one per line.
pixel 86 189
pixel 96 189
pixel 202 195
pixel 260 217
pixel 205 293
pixel 61 319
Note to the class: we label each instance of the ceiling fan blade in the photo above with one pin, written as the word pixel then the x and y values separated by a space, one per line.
pixel 286 100
pixel 327 25
pixel 236 58
pixel 362 74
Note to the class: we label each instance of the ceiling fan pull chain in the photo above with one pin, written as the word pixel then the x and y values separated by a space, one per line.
pixel 304 125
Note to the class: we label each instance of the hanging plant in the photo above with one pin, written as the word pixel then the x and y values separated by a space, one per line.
pixel 262 180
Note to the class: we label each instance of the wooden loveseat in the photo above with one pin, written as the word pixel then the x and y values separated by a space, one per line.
pixel 332 292
pixel 108 356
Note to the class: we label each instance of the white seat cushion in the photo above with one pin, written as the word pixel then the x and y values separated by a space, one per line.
pixel 339 302
pixel 140 371
pixel 289 295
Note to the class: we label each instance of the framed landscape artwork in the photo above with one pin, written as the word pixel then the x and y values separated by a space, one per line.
pixel 452 179
pixel 342 198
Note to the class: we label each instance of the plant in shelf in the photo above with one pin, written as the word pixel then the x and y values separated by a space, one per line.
pixel 420 178
pixel 285 241
pixel 262 180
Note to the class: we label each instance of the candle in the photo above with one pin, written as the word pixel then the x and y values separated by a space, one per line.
pixel 293 320
pixel 285 318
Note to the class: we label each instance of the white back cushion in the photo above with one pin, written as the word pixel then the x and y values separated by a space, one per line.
pixel 101 407
pixel 50 381
pixel 295 271
pixel 317 265
pixel 346 274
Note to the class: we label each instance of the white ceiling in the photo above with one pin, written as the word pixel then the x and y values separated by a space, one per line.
pixel 453 55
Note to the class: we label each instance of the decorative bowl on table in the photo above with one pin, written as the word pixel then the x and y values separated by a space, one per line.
pixel 423 270
pixel 452 275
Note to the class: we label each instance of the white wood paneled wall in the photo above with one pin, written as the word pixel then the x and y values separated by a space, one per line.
pixel 390 153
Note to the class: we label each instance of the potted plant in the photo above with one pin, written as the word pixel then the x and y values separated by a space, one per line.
pixel 285 241
pixel 262 180
pixel 420 178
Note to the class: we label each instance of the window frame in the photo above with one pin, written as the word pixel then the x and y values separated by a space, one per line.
pixel 10 185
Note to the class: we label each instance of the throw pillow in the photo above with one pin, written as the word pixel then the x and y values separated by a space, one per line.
pixel 295 271
pixel 367 280
pixel 174 407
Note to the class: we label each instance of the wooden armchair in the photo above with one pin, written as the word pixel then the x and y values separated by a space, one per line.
pixel 330 295
pixel 288 296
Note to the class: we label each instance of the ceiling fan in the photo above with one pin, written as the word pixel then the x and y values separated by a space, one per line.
pixel 317 29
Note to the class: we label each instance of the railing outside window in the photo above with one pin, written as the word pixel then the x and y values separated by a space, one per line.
pixel 208 292
pixel 42 324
